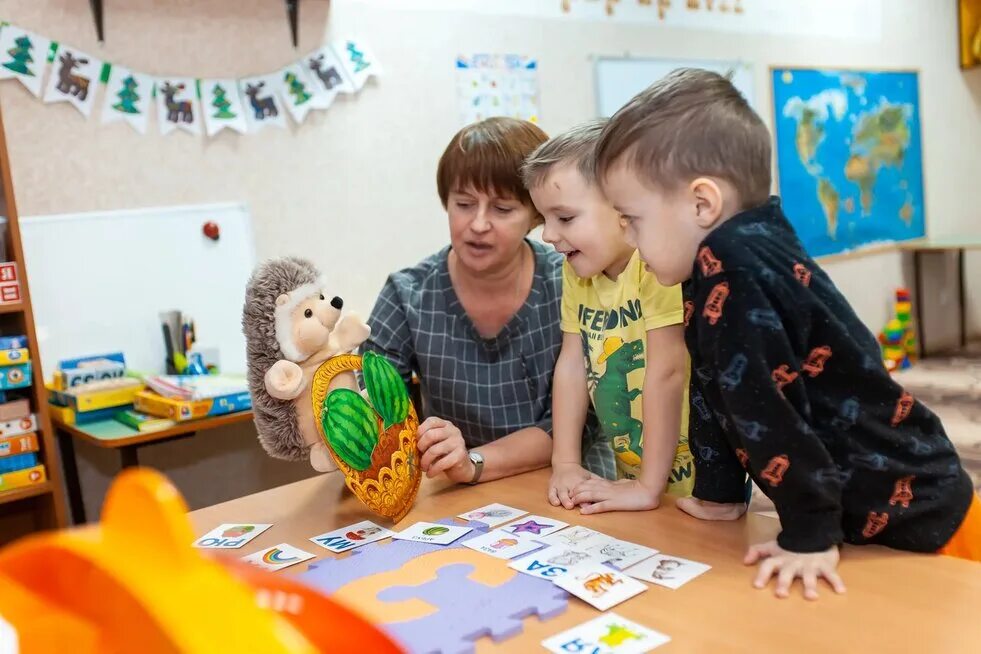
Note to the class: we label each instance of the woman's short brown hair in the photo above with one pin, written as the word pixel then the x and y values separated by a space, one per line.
pixel 487 156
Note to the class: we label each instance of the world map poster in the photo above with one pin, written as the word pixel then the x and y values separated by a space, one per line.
pixel 849 156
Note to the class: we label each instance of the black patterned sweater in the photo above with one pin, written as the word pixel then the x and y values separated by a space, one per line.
pixel 788 385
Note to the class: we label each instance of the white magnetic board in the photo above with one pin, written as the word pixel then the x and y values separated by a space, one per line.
pixel 620 79
pixel 99 280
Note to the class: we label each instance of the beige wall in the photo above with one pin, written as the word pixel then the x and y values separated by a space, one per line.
pixel 353 188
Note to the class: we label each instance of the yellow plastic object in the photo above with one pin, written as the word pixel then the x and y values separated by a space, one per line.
pixel 390 484
pixel 135 581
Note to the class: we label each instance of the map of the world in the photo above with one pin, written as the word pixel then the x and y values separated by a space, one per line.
pixel 849 156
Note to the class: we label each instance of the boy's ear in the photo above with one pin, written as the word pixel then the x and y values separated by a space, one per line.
pixel 708 201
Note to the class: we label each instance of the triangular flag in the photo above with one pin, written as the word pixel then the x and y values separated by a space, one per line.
pixel 222 106
pixel 74 78
pixel 328 75
pixel 300 94
pixel 262 104
pixel 23 55
pixel 177 105
pixel 358 61
pixel 127 98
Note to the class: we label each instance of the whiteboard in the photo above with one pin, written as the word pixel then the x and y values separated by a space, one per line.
pixel 620 79
pixel 99 280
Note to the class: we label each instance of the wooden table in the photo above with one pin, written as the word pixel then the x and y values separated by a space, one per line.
pixel 111 434
pixel 896 602
pixel 958 244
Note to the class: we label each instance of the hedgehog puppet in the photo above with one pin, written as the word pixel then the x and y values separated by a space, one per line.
pixel 305 395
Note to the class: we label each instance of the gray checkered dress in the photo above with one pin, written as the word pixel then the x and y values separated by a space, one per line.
pixel 488 387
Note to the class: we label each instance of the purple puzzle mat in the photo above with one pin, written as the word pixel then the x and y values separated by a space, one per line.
pixel 468 610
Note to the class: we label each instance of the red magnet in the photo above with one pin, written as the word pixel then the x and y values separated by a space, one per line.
pixel 211 230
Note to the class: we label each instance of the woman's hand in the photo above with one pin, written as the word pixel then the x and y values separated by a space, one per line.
pixel 443 450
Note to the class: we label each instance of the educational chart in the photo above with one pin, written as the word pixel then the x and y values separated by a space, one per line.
pixel 497 85
pixel 437 598
pixel 849 156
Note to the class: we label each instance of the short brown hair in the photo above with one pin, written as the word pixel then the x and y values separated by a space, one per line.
pixel 487 156
pixel 575 146
pixel 693 122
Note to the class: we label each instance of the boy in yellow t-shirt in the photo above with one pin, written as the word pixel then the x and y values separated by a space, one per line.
pixel 623 344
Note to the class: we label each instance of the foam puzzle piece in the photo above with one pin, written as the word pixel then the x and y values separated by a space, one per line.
pixel 468 596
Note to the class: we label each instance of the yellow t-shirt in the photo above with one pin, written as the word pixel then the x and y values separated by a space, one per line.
pixel 613 318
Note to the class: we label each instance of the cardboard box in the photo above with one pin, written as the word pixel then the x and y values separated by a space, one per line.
pixel 18 376
pixel 12 342
pixel 15 409
pixel 14 356
pixel 165 407
pixel 64 380
pixel 83 400
pixel 18 427
pixel 21 478
pixel 13 445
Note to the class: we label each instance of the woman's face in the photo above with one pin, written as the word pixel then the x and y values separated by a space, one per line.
pixel 487 230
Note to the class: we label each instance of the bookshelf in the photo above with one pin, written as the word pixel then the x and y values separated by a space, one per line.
pixel 40 506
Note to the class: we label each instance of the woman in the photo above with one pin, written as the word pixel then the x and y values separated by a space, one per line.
pixel 478 322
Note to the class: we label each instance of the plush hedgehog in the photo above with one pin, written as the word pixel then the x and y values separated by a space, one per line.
pixel 292 325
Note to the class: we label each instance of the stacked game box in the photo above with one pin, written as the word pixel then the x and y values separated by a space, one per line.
pixel 90 389
pixel 19 463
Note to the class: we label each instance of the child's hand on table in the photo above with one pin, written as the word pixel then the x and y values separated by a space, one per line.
pixel 565 477
pixel 597 495
pixel 790 565
pixel 704 510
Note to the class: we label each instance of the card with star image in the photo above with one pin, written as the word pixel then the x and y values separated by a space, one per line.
pixel 553 562
pixel 534 527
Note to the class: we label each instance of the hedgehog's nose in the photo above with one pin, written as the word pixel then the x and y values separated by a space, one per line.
pixel 337 303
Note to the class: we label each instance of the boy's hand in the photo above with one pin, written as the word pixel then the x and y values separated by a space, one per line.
pixel 565 477
pixel 704 510
pixel 597 495
pixel 791 565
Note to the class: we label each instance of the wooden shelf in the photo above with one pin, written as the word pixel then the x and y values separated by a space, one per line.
pixel 11 307
pixel 23 493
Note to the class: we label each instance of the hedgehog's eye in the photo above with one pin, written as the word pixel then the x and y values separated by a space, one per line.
pixel 321 296
pixel 308 313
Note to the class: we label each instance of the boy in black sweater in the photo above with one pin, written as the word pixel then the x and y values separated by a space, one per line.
pixel 787 382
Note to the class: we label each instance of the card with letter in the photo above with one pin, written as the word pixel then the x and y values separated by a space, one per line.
pixel 668 571
pixel 278 557
pixel 493 515
pixel 535 527
pixel 431 532
pixel 607 634
pixel 552 562
pixel 347 538
pixel 501 544
pixel 600 585
pixel 230 536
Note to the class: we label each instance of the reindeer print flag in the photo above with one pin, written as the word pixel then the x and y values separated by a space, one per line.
pixel 222 106
pixel 178 106
pixel 127 97
pixel 327 73
pixel 74 78
pixel 261 97
pixel 23 55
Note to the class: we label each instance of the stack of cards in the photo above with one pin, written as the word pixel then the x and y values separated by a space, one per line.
pixel 604 635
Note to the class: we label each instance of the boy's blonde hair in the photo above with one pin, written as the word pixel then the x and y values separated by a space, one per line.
pixel 691 123
pixel 575 146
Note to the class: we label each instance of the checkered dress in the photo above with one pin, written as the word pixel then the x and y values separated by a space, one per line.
pixel 488 387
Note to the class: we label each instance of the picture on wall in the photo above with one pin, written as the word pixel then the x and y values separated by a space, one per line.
pixel 849 156
pixel 969 32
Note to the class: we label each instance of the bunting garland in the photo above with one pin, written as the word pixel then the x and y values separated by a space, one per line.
pixel 58 72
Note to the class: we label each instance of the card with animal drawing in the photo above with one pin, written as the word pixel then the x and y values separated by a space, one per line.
pixel 668 571
pixel 606 634
pixel 600 585
pixel 552 562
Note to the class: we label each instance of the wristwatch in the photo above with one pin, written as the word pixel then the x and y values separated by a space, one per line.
pixel 477 459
